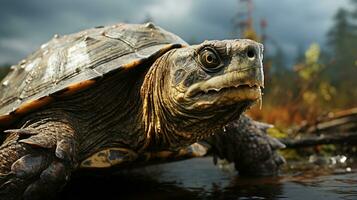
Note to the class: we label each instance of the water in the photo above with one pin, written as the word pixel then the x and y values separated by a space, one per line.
pixel 200 179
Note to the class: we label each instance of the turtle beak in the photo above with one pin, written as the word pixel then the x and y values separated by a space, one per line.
pixel 241 80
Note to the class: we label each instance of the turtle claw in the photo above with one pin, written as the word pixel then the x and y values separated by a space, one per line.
pixel 262 126
pixel 275 144
pixel 28 165
pixel 56 171
pixel 39 169
pixel 25 131
pixel 39 141
pixel 247 145
pixel 50 182
pixel 65 150
pixel 279 160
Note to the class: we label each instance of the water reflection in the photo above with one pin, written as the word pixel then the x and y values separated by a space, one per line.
pixel 200 179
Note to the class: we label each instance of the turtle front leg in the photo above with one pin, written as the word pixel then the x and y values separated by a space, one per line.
pixel 37 160
pixel 245 143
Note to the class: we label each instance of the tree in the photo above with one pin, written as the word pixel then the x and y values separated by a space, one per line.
pixel 354 11
pixel 342 66
pixel 279 62
pixel 341 39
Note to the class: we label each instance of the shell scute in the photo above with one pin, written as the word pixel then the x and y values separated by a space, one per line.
pixel 70 63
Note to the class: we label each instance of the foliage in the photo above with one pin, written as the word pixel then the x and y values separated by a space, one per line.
pixel 319 82
pixel 277 133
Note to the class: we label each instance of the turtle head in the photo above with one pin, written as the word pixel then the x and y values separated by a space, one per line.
pixel 202 87
pixel 217 74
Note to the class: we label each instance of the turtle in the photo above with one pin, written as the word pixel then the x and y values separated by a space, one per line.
pixel 124 95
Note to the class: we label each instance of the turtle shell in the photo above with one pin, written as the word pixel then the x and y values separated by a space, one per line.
pixel 70 63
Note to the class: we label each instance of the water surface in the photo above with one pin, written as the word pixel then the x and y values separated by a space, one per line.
pixel 201 179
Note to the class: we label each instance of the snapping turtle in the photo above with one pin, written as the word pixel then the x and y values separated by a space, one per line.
pixel 122 94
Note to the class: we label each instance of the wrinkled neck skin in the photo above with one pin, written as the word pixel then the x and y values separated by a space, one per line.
pixel 171 125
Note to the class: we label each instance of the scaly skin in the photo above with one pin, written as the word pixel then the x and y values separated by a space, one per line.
pixel 185 96
pixel 38 156
pixel 245 143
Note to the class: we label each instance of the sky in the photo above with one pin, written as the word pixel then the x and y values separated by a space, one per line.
pixel 292 24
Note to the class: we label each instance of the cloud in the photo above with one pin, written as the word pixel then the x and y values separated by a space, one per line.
pixel 25 25
pixel 297 23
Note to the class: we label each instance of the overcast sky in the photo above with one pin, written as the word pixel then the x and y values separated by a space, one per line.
pixel 293 24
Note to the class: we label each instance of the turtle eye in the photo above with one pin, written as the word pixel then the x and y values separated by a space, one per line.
pixel 210 59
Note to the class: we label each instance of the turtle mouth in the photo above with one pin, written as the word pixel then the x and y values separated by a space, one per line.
pixel 228 90
pixel 231 86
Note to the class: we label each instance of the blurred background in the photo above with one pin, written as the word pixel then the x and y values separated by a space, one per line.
pixel 310 46
pixel 310 76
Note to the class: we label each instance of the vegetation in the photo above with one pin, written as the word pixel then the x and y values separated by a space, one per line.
pixel 321 80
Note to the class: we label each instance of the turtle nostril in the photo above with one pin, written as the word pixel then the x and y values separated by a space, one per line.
pixel 251 53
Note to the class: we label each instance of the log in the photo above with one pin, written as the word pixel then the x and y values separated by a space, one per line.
pixel 345 120
pixel 348 122
pixel 309 141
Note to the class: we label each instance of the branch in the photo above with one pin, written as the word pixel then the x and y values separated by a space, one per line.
pixel 342 138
